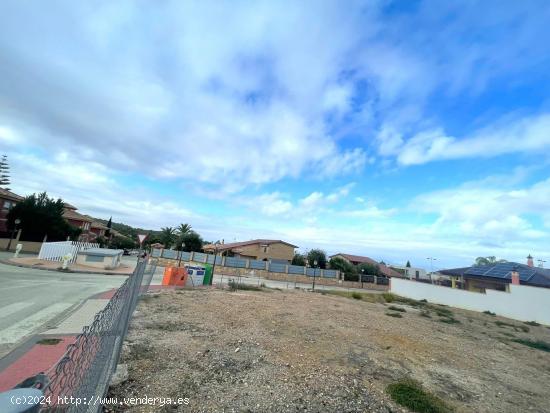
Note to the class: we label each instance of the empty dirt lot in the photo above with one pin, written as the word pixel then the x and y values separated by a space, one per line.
pixel 275 351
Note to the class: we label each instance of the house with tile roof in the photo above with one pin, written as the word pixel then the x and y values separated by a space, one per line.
pixel 359 259
pixel 258 249
pixel 76 219
pixel 497 276
pixel 7 200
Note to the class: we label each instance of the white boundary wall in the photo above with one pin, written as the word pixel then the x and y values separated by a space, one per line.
pixel 54 251
pixel 522 303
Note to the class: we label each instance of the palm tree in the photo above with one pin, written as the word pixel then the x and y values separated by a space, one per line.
pixel 184 229
pixel 167 236
pixel 487 261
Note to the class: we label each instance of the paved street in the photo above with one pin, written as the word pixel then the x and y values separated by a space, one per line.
pixel 32 300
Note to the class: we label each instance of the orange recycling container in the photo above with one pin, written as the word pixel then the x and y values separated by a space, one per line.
pixel 181 277
pixel 175 276
pixel 169 274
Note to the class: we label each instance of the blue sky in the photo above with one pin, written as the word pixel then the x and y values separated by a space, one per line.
pixel 397 130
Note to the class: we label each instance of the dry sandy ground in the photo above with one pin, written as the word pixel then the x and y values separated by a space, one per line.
pixel 290 351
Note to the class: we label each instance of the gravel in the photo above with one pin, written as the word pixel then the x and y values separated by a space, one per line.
pixel 294 351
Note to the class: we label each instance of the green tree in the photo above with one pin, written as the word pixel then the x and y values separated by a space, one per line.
pixel 317 255
pixel 40 216
pixel 109 227
pixel 4 172
pixel 368 269
pixel 122 243
pixel 167 236
pixel 193 242
pixel 298 259
pixel 487 261
pixel 349 270
pixel 408 265
pixel 183 229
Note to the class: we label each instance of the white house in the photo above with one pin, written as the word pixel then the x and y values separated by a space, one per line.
pixel 412 273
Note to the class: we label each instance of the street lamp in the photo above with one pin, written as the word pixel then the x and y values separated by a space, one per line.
pixel 362 275
pixel 314 272
pixel 16 223
pixel 181 253
pixel 431 259
pixel 214 264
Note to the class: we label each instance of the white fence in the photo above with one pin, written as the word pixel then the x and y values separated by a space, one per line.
pixel 522 303
pixel 54 251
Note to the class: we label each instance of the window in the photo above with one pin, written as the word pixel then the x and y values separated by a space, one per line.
pixel 8 204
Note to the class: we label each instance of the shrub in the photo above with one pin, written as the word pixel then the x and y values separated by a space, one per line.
pixel 411 394
pixel 503 324
pixel 356 295
pixel 234 285
pixel 489 313
pixel 394 308
pixel 532 323
pixel 539 345
pixel 443 312
pixel 396 315
pixel 449 320
pixel 389 297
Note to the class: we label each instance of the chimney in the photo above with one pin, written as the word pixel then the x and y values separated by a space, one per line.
pixel 530 261
pixel 515 277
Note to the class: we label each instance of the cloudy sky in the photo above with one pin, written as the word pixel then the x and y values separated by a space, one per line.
pixel 397 130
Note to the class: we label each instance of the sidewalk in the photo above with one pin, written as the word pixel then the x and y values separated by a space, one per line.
pixel 42 352
pixel 33 262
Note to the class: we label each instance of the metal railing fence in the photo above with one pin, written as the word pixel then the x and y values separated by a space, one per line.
pixel 54 251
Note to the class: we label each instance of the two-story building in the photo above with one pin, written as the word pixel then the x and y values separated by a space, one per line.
pixel 76 219
pixel 7 200
pixel 257 249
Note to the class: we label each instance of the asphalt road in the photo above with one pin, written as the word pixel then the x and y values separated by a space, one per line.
pixel 33 300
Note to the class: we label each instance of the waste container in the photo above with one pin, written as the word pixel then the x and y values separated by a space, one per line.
pixel 169 274
pixel 196 276
pixel 180 279
pixel 207 274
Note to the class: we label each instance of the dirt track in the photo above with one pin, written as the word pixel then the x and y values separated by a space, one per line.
pixel 294 351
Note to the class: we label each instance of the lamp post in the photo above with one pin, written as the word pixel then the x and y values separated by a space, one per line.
pixel 431 259
pixel 181 253
pixel 314 272
pixel 16 223
pixel 362 275
pixel 214 263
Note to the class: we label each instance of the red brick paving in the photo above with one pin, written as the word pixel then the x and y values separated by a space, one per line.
pixel 38 358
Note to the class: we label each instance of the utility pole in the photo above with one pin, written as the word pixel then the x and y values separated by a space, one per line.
pixel 314 273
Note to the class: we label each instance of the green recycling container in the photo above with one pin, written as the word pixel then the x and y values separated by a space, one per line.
pixel 207 274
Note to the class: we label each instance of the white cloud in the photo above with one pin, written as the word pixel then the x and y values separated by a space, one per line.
pixel 371 211
pixel 489 213
pixel 225 94
pixel 90 187
pixel 526 135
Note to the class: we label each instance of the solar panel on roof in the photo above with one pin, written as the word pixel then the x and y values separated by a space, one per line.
pixel 481 270
pixel 504 270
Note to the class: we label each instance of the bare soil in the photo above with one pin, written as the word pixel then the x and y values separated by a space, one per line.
pixel 290 351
